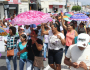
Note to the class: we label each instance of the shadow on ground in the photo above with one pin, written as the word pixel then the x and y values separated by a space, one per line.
pixel 64 67
pixel 3 68
pixel 3 57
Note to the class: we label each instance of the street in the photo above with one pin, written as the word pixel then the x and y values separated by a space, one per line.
pixel 3 64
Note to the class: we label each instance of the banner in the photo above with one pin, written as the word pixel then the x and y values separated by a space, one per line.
pixel 7 30
pixel 4 0
pixel 2 47
pixel 14 2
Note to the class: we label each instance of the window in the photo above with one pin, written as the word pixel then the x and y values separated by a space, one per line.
pixel 20 10
pixel 25 9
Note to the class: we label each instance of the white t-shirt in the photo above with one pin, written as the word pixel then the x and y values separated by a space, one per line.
pixel 53 20
pixel 45 38
pixel 54 42
pixel 6 23
pixel 61 28
pixel 39 35
pixel 27 31
pixel 76 55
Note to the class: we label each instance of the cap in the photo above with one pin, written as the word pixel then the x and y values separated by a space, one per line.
pixel 83 40
pixel 22 27
pixel 33 26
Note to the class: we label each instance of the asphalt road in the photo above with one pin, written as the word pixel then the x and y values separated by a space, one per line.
pixel 3 64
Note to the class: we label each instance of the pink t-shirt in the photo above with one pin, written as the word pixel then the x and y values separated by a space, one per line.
pixel 69 38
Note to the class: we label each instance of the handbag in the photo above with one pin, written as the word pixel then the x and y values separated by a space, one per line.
pixel 38 61
pixel 10 52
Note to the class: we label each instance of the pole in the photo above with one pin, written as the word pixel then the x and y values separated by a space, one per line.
pixel 66 5
pixel 74 2
pixel 28 3
pixel 77 2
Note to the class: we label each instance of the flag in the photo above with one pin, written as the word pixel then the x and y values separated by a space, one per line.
pixel 61 12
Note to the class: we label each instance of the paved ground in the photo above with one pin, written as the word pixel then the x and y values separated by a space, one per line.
pixel 3 64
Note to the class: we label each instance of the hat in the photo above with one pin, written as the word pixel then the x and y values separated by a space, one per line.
pixel 33 26
pixel 83 40
pixel 22 27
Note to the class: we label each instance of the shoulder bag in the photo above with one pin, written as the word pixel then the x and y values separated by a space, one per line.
pixel 38 61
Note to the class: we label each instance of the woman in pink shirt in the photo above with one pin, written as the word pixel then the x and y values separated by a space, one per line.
pixel 71 34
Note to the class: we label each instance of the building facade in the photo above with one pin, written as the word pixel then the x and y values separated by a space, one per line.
pixel 53 6
pixel 2 9
pixel 24 6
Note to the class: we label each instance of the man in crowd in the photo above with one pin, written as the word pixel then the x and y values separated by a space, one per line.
pixel 79 54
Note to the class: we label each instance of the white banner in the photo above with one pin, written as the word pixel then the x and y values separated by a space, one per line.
pixel 2 47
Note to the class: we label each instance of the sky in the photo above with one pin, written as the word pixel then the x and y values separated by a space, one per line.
pixel 84 2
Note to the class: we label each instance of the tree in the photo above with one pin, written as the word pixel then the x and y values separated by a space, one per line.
pixel 76 8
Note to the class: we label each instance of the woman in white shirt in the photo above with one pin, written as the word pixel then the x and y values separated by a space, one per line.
pixel 55 46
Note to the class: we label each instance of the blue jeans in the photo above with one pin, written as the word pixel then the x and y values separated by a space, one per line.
pixel 14 58
pixel 21 63
pixel 66 49
pixel 45 49
pixel 29 65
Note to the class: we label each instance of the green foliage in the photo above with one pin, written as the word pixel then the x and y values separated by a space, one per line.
pixel 76 8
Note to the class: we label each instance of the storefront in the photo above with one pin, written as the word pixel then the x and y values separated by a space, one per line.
pixel 33 6
pixel 55 8
pixel 10 9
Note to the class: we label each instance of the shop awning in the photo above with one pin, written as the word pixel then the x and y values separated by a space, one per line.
pixel 57 3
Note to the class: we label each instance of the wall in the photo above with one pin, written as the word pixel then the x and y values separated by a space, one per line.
pixel 1 12
pixel 45 5
pixel 23 7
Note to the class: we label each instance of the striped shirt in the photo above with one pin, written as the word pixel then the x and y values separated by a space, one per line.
pixel 12 41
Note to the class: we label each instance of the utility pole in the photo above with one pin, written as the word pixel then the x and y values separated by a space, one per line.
pixel 28 3
pixel 66 5
pixel 74 2
pixel 77 2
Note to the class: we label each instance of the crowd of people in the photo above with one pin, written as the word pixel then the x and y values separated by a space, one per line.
pixel 29 40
